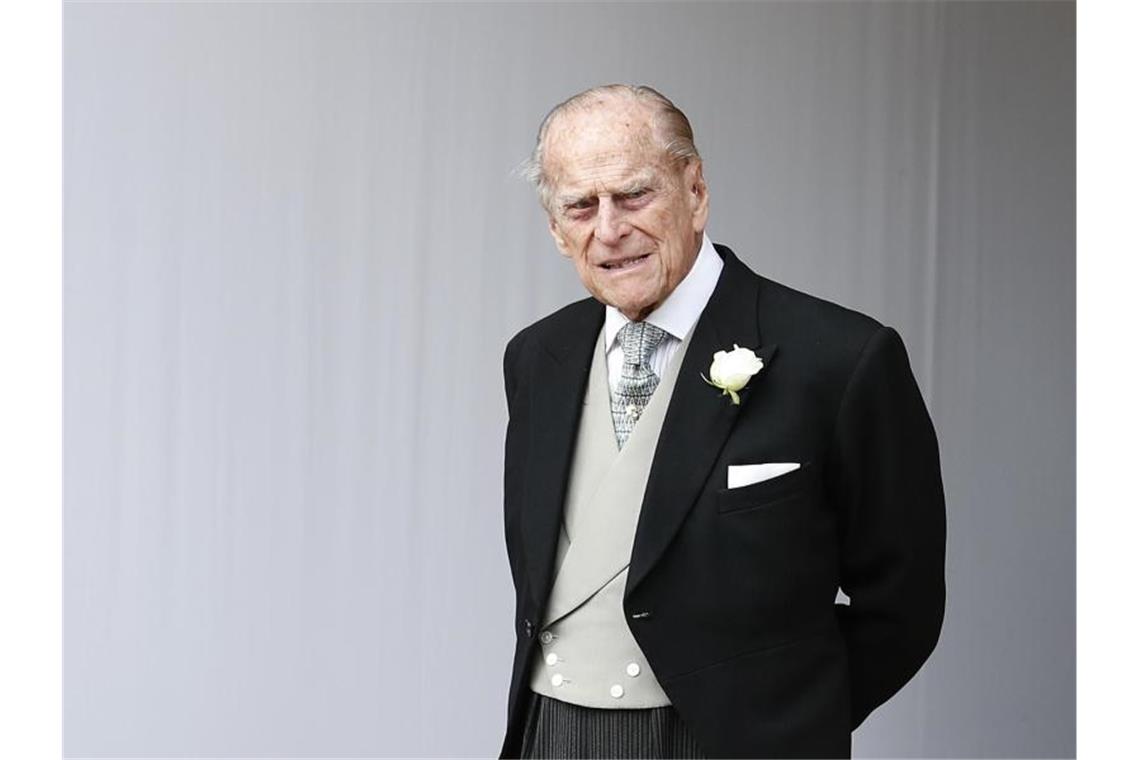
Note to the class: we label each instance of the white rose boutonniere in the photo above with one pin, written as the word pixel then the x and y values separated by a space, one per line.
pixel 731 370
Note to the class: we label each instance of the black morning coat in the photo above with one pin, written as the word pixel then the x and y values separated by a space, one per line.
pixel 731 594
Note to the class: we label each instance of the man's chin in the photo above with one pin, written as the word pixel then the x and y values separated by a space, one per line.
pixel 635 311
pixel 628 303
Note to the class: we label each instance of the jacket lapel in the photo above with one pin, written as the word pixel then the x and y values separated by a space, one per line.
pixel 559 387
pixel 699 418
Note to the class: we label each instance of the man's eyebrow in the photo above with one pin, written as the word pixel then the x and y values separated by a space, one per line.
pixel 570 200
pixel 642 179
pixel 632 185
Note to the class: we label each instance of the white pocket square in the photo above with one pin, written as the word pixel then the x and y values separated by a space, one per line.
pixel 740 475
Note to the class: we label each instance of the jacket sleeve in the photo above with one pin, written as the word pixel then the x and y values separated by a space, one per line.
pixel 885 477
pixel 513 458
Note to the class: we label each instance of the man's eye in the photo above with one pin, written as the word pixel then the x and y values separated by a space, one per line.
pixel 578 208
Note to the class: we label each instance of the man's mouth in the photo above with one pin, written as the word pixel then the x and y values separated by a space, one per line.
pixel 625 263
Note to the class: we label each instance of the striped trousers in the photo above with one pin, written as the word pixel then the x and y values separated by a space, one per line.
pixel 556 729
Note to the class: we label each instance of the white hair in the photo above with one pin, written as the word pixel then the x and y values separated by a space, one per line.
pixel 669 125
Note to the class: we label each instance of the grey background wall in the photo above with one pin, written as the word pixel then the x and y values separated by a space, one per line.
pixel 294 252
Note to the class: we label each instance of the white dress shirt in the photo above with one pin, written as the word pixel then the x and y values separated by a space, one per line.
pixel 676 315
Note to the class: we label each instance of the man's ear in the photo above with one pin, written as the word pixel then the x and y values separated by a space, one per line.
pixel 559 240
pixel 698 194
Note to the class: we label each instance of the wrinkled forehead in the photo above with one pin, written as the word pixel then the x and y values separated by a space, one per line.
pixel 605 141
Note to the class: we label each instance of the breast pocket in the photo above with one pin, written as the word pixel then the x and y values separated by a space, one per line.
pixel 768 493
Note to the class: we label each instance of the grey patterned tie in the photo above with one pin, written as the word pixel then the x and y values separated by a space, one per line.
pixel 637 383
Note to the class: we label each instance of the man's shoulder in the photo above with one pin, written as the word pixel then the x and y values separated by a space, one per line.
pixel 795 312
pixel 821 341
pixel 549 329
pixel 788 315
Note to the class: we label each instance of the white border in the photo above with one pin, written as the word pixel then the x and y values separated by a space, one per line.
pixel 1108 292
pixel 1108 377
pixel 30 380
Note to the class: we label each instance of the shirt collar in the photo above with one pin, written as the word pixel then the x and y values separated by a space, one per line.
pixel 680 310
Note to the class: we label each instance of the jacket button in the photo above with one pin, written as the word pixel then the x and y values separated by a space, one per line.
pixel 529 628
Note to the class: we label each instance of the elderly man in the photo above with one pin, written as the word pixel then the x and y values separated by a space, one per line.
pixel 698 459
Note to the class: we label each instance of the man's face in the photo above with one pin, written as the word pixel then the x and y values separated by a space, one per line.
pixel 628 214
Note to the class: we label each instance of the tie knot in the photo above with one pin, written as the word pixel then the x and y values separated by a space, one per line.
pixel 638 341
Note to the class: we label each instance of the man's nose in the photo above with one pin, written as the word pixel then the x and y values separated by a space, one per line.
pixel 612 226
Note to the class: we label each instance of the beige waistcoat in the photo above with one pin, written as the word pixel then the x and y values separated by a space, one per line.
pixel 588 655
